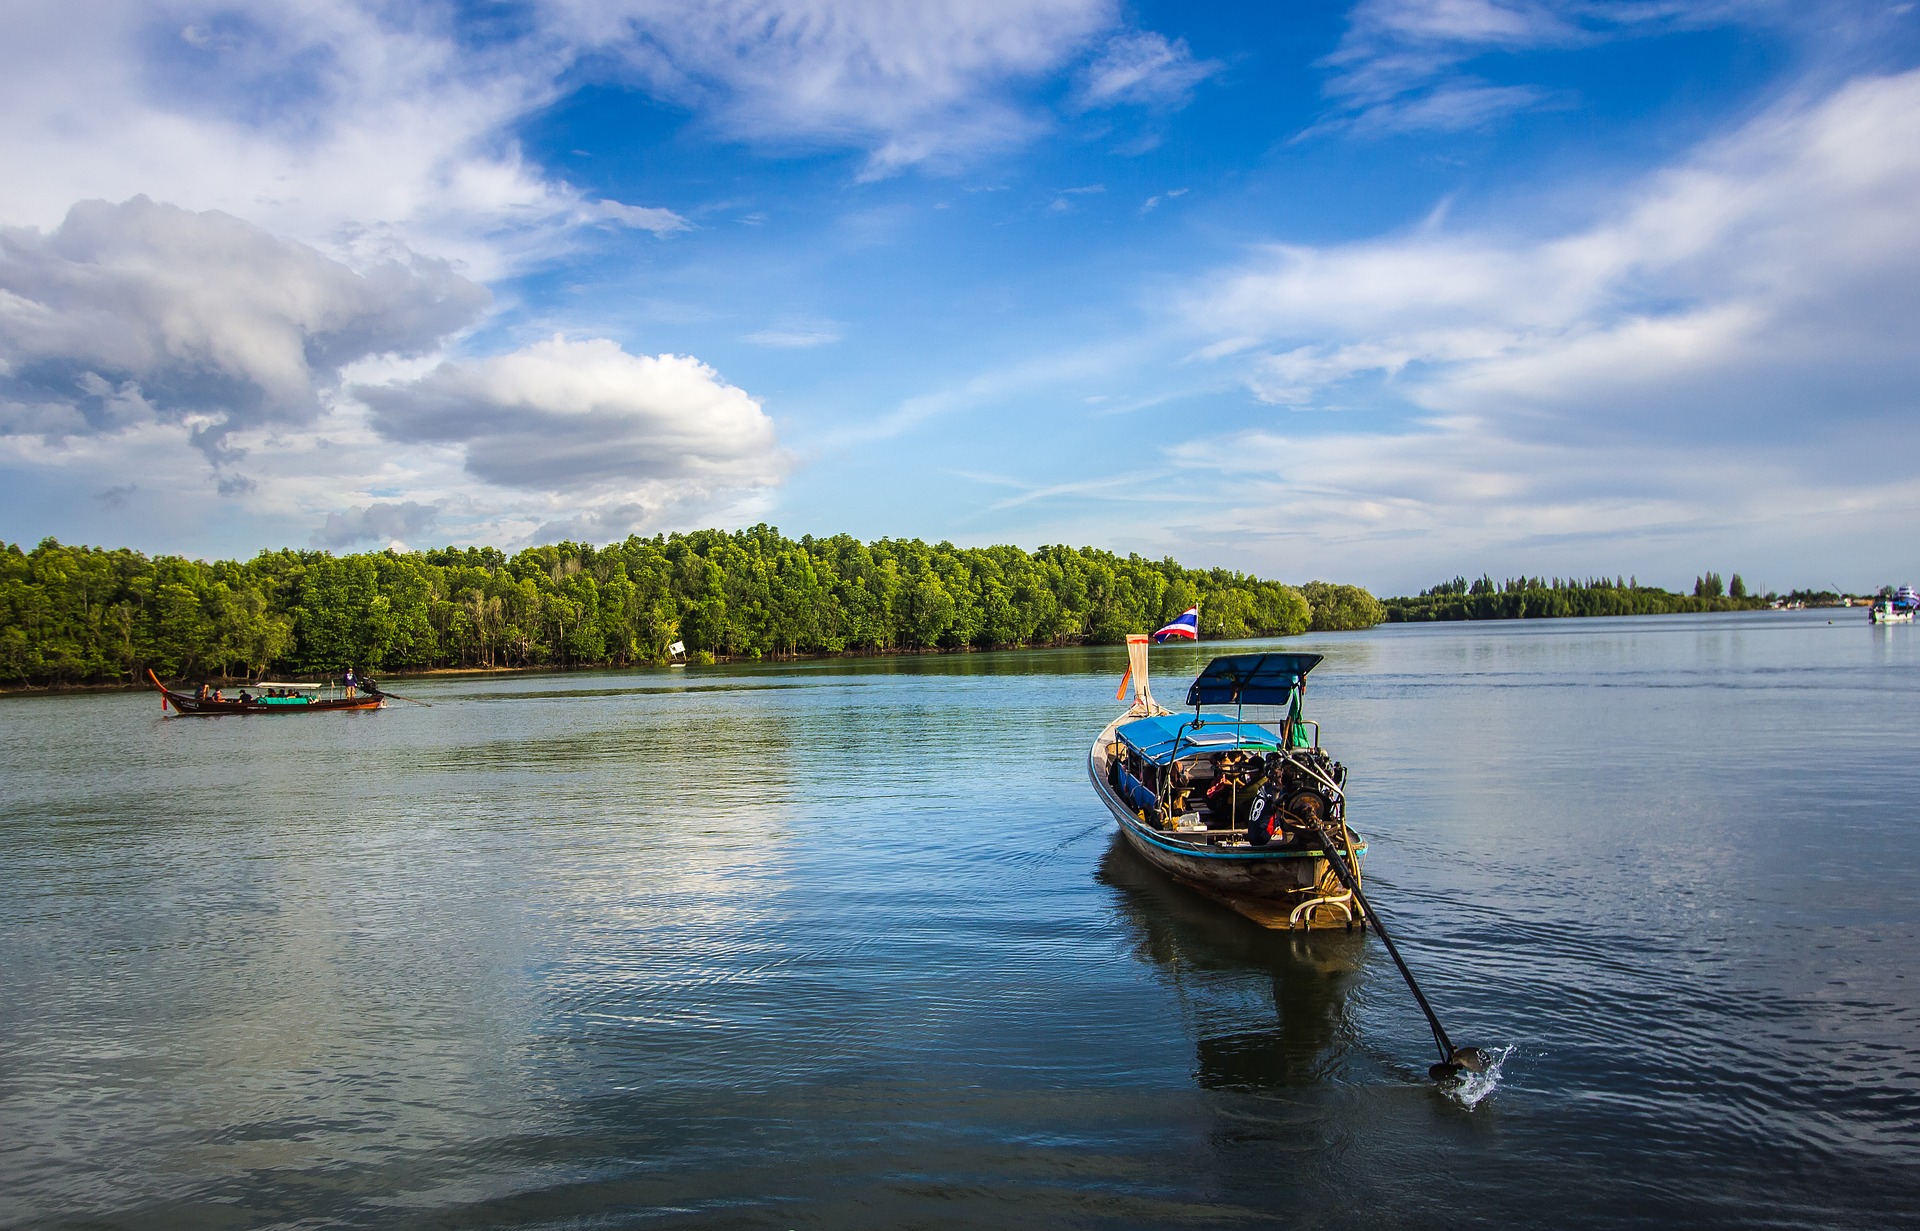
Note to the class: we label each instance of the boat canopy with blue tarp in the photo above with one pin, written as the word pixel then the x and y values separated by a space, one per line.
pixel 1251 679
pixel 1165 737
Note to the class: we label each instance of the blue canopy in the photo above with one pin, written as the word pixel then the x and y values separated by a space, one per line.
pixel 1251 679
pixel 1163 738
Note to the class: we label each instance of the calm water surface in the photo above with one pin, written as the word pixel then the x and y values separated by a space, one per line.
pixel 852 944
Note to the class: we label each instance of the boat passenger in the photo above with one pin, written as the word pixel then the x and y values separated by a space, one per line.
pixel 245 697
pixel 1239 775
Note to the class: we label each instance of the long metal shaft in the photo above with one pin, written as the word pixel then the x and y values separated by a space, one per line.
pixel 1352 882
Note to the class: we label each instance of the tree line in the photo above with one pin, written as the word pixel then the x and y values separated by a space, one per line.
pixel 74 615
pixel 1519 598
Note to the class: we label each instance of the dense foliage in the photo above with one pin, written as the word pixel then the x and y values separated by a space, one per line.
pixel 1520 598
pixel 83 614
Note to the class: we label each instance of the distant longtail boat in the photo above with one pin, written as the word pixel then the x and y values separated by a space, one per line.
pixel 291 699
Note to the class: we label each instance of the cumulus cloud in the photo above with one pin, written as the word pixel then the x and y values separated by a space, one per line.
pixel 1745 315
pixel 140 311
pixel 1773 272
pixel 397 521
pixel 588 419
pixel 360 128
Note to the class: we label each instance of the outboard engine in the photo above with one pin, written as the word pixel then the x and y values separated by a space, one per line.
pixel 1293 800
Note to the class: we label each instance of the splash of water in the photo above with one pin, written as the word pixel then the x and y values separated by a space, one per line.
pixel 1471 1088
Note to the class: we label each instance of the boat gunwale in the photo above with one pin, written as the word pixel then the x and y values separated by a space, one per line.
pixel 185 705
pixel 1137 828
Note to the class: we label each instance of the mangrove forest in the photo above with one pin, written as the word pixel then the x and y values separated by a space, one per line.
pixel 88 615
pixel 1524 598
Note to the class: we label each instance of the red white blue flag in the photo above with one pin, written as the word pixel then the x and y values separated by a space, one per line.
pixel 1186 624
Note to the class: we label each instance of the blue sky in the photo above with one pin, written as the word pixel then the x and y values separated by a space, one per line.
pixel 1377 292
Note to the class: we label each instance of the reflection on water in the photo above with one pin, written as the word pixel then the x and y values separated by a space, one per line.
pixel 852 944
pixel 1265 1009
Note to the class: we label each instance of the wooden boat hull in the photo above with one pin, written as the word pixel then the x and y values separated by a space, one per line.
pixel 1275 888
pixel 194 707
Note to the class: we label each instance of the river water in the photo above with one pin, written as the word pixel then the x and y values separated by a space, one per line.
pixel 852 944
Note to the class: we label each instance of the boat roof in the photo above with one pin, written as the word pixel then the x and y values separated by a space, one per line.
pixel 1251 679
pixel 1165 737
pixel 284 684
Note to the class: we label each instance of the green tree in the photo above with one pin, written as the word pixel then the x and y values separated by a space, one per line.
pixel 73 614
pixel 1337 608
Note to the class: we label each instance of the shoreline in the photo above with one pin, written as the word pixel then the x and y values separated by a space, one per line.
pixel 309 677
pixel 19 690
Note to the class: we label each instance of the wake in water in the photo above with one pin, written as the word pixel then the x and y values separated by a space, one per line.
pixel 1473 1087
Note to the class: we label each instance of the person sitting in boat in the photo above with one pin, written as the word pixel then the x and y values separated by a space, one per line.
pixel 1239 776
pixel 201 695
pixel 246 698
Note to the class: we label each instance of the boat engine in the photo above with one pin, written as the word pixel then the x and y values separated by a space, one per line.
pixel 1295 798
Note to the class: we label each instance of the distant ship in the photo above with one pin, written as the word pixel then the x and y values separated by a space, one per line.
pixel 1898 609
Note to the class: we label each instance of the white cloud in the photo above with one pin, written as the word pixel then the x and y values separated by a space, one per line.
pixel 909 83
pixel 387 523
pixel 794 339
pixel 1456 106
pixel 356 127
pixel 1754 276
pixel 1402 509
pixel 1144 68
pixel 1153 202
pixel 586 419
pixel 138 339
pixel 662 222
pixel 360 127
pixel 1733 335
pixel 135 312
pixel 1400 65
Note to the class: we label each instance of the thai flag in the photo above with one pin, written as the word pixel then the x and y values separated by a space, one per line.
pixel 1186 624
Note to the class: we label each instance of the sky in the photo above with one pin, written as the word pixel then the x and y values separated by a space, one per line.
pixel 1381 292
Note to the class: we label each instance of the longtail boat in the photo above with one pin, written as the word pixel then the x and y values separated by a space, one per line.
pixel 1251 811
pixel 260 699
pixel 1238 805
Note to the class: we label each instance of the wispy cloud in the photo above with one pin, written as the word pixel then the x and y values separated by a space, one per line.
pixel 795 339
pixel 1143 68
pixel 1133 487
pixel 1402 65
pixel 910 84
pixel 662 222
pixel 1153 202
pixel 1064 200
